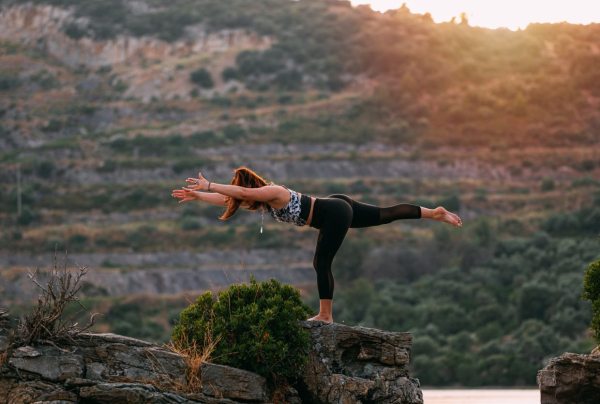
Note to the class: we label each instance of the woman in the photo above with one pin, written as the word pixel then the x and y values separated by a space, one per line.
pixel 332 216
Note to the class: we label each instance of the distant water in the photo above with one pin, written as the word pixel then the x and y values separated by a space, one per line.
pixel 481 396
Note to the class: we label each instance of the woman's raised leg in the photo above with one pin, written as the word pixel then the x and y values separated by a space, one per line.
pixel 367 215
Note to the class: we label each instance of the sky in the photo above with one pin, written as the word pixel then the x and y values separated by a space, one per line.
pixel 512 14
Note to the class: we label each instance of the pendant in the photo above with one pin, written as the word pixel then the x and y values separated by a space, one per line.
pixel 263 221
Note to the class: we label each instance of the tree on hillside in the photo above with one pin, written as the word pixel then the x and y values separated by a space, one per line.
pixel 202 77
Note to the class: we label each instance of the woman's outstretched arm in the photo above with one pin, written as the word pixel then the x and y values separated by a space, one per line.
pixel 186 195
pixel 263 194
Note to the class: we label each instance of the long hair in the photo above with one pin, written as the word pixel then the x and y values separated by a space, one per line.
pixel 244 177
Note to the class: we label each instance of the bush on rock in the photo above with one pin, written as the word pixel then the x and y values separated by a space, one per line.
pixel 252 326
pixel 591 292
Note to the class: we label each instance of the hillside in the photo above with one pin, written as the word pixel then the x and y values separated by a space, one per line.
pixel 107 106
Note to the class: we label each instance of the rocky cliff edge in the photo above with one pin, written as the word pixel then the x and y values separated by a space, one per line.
pixel 346 365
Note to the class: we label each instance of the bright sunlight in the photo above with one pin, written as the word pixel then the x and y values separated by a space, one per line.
pixel 512 14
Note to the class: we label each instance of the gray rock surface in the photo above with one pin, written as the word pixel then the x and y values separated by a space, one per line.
pixel 47 361
pixel 570 379
pixel 228 382
pixel 357 364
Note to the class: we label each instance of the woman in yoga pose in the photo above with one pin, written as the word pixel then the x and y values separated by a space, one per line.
pixel 332 216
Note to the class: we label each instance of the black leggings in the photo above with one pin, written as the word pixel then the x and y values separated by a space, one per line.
pixel 333 216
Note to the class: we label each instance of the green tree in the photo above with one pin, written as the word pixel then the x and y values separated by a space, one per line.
pixel 591 292
pixel 202 77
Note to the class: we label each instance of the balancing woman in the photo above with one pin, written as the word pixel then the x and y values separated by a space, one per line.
pixel 332 216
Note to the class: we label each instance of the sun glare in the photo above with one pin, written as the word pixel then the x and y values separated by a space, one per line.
pixel 512 14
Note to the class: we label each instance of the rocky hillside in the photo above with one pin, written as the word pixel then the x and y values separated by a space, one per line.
pixel 106 107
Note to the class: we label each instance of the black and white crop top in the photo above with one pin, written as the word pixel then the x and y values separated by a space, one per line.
pixel 295 212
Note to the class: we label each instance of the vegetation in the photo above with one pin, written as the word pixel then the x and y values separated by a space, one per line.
pixel 50 322
pixel 255 325
pixel 499 126
pixel 494 318
pixel 202 77
pixel 591 292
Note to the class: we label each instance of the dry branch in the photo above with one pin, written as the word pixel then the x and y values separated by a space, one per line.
pixel 46 323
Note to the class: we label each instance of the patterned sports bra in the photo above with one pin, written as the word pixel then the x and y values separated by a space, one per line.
pixel 295 212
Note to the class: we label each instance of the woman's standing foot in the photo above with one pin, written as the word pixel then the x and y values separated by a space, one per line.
pixel 324 311
pixel 321 318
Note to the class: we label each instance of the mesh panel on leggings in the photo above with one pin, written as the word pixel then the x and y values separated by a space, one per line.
pixel 322 264
pixel 400 211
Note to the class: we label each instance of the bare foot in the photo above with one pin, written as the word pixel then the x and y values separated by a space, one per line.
pixel 443 215
pixel 321 318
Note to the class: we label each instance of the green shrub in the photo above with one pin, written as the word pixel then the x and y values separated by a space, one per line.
pixel 44 168
pixel 586 181
pixel 255 325
pixel 108 166
pixel 591 292
pixel 191 223
pixel 28 216
pixel 54 244
pixel 221 101
pixel 78 241
pixel 54 125
pixel 202 77
pixel 547 184
pixel 120 86
pixel 229 73
pixel 72 30
pixel 9 82
pixel 234 132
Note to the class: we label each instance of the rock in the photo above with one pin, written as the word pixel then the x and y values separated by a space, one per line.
pixel 110 393
pixel 228 382
pixel 48 362
pixel 357 364
pixel 110 356
pixel 4 330
pixel 13 391
pixel 570 379
pixel 345 365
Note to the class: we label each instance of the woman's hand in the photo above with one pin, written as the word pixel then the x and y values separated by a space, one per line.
pixel 198 184
pixel 185 194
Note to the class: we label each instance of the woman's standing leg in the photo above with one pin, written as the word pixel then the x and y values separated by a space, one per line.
pixel 337 219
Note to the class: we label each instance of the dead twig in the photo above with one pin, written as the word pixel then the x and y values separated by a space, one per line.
pixel 46 324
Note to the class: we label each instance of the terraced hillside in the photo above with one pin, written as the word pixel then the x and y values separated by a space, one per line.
pixel 105 110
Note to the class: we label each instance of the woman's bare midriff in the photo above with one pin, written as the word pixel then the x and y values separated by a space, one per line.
pixel 312 203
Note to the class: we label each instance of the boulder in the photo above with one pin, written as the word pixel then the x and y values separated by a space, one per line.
pixel 228 382
pixel 112 357
pixel 110 393
pixel 49 362
pixel 570 379
pixel 357 364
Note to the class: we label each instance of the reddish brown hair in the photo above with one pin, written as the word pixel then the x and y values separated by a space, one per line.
pixel 244 177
